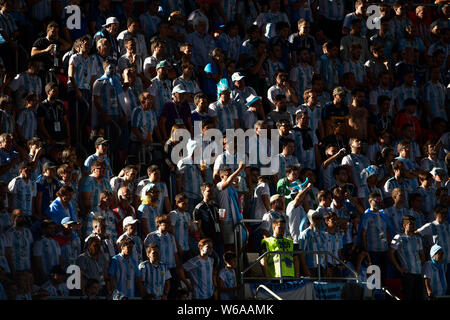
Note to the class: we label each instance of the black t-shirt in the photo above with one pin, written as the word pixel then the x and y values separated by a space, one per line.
pixel 53 115
pixel 46 59
pixel 208 215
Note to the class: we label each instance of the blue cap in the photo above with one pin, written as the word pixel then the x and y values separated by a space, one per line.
pixel 67 220
pixel 435 249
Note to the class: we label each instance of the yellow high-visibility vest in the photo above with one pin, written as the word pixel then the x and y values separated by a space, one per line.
pixel 273 260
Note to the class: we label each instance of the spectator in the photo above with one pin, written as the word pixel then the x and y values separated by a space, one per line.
pixel 155 274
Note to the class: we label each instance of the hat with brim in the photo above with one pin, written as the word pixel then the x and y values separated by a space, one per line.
pixel 178 89
pixel 100 141
pixel 275 197
pixel 162 64
pixel 237 76
pixel 110 20
pixel 435 249
pixel 48 165
pixel 67 220
pixel 251 99
pixel 128 220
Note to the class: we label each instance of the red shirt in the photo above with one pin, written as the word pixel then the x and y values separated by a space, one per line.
pixel 403 118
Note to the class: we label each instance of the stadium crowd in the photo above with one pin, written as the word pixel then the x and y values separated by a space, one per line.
pixel 91 101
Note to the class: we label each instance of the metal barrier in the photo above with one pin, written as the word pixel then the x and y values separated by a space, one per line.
pixel 268 291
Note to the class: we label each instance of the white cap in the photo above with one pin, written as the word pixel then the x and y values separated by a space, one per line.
pixel 110 20
pixel 178 89
pixel 237 76
pixel 128 220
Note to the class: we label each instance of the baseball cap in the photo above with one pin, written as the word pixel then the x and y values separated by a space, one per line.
pixel 178 89
pixel 237 76
pixel 48 165
pixel 109 21
pixel 338 91
pixel 275 197
pixel 100 141
pixel 436 171
pixel 435 249
pixel 162 64
pixel 252 99
pixel 128 220
pixel 67 220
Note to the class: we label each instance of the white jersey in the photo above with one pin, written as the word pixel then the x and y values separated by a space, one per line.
pixel 228 277
pixel 166 244
pixel 258 208
pixel 295 216
pixel 408 249
pixel 124 272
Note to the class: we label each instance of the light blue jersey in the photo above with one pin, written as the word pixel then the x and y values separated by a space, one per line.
pixel 3 261
pixel 434 94
pixel 395 216
pixel 138 247
pixel 84 71
pixel 124 272
pixel 149 213
pixel 181 222
pixel 49 252
pixel 400 94
pixel 357 68
pixel 439 234
pixel 330 71
pixel 167 246
pixel 302 76
pixel 357 163
pixel 393 183
pixel 201 271
pixel 23 192
pixel 436 273
pixel 332 9
pixel 408 249
pixel 162 91
pixel 149 24
pixel 410 165
pixel 307 158
pixel 144 120
pixel 377 229
pixel 93 157
pixel 110 219
pixel 20 244
pixel 428 198
pixel 192 178
pixel 154 277
pixel 71 250
pixel 28 123
pixel 334 243
pixel 268 21
pixel 228 276
pixel 226 115
pixel 311 240
pixel 91 185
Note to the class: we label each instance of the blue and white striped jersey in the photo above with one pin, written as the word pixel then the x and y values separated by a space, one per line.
pixel 357 68
pixel 124 272
pixel 110 94
pixel 268 20
pixel 108 169
pixel 25 83
pixel 192 178
pixel 20 244
pixel 271 67
pixel 91 185
pixel 428 198
pixel 71 250
pixel 364 192
pixel 393 183
pixel 202 46
pixel 144 120
pixel 408 249
pixel 311 240
pixel 24 192
pixel 3 261
pixel 377 229
pixel 330 71
pixel 332 9
pixel 307 158
pixel 428 164
pixel 27 122
pixel 284 162
pixel 5 221
pixel 149 213
pixel 228 277
pixel 231 46
pixel 162 91
pixel 225 114
pixel 401 93
pixel 295 216
pixel 326 175
pixel 434 94
pixel 166 244
pixel 334 243
pixel 435 272
pixel 410 165
pixel 188 85
pixel 302 76
pixel 163 193
pixel 7 23
pixel 440 234
pixel 398 25
pixel 181 222
pixel 395 216
pixel 352 16
pixel 197 14
pixel 201 272
pixel 414 150
pixel 60 291
pixel 84 71
pixel 49 252
pixel 110 219
pixel 6 121
pixel 138 247
pixel 154 277
pixel 41 10
pixel 420 218
pixel 149 24
pixel 139 38
pixel 357 162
